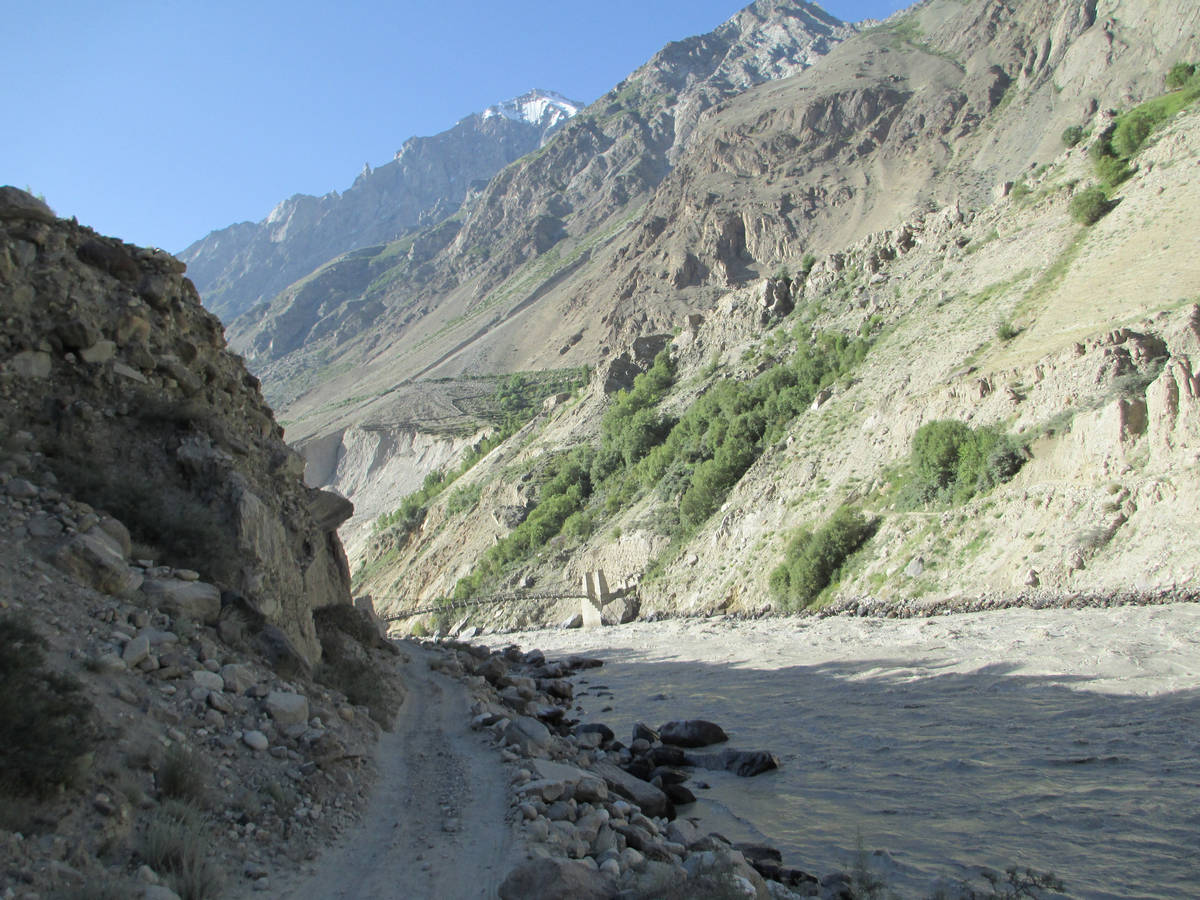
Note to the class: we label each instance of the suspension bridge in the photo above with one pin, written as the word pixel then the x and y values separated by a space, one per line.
pixel 593 594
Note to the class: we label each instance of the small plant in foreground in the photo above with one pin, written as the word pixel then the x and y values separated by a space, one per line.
pixel 45 721
pixel 173 844
pixel 184 775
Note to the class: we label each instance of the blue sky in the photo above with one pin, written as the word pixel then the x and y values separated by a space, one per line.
pixel 159 121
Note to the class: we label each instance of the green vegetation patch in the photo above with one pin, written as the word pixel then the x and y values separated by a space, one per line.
pixel 724 432
pixel 1123 140
pixel 692 461
pixel 45 721
pixel 632 426
pixel 814 559
pixel 951 462
pixel 564 493
pixel 907 30
pixel 1090 206
pixel 516 400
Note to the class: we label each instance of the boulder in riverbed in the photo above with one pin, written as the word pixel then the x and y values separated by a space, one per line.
pixel 746 763
pixel 555 879
pixel 692 733
pixel 652 801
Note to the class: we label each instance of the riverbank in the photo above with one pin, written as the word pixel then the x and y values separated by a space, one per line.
pixel 1058 739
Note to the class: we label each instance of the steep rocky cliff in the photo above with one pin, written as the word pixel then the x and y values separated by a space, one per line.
pixel 1080 342
pixel 636 214
pixel 117 391
pixel 905 186
pixel 236 267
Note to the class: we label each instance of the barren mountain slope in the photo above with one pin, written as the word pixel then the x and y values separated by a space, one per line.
pixel 559 262
pixel 409 308
pixel 916 180
pixel 1080 342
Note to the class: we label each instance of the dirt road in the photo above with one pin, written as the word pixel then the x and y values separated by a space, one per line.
pixel 435 828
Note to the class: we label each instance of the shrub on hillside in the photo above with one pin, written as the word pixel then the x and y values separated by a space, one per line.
pixel 1089 206
pixel 1179 75
pixel 45 721
pixel 813 559
pixel 184 775
pixel 464 498
pixel 1116 147
pixel 726 430
pixel 952 462
pixel 1111 170
pixel 1131 132
pixel 632 427
pixel 1072 135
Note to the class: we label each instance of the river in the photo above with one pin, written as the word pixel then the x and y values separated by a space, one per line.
pixel 1059 740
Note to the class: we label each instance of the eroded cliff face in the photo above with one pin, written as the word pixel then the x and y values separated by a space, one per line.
pixel 376 466
pixel 639 213
pixel 116 386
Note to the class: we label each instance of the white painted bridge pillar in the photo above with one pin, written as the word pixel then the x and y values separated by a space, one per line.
pixel 595 587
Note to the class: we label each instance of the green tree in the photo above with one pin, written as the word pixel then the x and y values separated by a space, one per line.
pixel 1131 132
pixel 813 560
pixel 1179 75
pixel 952 462
pixel 1089 206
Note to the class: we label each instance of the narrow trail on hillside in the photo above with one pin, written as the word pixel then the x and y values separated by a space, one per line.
pixel 435 825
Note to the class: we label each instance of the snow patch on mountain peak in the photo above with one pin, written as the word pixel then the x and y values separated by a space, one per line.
pixel 542 108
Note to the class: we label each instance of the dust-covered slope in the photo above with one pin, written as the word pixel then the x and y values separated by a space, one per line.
pixel 622 226
pixel 1076 342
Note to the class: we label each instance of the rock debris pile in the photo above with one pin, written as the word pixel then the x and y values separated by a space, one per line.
pixel 602 818
pixel 192 703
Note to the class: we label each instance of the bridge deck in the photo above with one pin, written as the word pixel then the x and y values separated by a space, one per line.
pixel 563 594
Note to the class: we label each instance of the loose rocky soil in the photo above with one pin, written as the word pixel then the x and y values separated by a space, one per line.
pixel 276 766
pixel 435 825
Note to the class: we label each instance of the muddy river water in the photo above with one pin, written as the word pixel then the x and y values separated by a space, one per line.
pixel 1059 740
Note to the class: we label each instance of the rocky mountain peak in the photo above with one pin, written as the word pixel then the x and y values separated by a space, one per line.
pixel 544 109
pixel 243 265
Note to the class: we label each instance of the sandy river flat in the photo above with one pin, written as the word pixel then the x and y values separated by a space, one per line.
pixel 1061 740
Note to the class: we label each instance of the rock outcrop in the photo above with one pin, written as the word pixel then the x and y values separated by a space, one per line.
pixel 116 386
